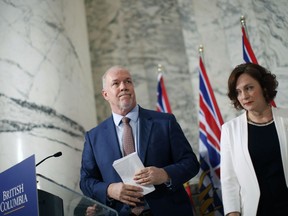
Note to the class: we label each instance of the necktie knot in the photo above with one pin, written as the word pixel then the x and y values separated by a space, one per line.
pixel 125 120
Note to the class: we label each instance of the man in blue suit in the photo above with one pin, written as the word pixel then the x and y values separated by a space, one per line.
pixel 160 143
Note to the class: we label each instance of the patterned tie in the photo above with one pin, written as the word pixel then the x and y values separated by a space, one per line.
pixel 127 139
pixel 128 148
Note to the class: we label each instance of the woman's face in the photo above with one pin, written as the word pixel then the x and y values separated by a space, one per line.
pixel 250 94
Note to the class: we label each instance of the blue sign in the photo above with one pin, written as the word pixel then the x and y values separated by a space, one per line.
pixel 19 190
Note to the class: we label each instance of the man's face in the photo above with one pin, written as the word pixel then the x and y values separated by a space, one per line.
pixel 118 90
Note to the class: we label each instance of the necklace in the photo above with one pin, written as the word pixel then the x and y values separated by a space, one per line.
pixel 265 112
pixel 259 124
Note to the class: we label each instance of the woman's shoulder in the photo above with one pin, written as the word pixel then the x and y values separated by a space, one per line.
pixel 235 121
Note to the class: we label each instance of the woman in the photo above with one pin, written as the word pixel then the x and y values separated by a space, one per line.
pixel 254 146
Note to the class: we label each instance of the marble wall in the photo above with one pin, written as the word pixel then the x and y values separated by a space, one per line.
pixel 46 90
pixel 142 34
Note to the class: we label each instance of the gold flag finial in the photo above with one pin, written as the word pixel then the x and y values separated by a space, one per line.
pixel 160 69
pixel 201 49
pixel 242 20
pixel 243 24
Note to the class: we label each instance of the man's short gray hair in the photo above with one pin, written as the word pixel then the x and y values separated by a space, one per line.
pixel 107 71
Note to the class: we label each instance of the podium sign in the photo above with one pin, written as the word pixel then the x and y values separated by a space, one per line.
pixel 18 190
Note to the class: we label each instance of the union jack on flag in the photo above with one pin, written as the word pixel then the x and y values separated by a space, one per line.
pixel 163 104
pixel 210 121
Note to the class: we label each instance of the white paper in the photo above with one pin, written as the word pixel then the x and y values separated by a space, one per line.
pixel 127 166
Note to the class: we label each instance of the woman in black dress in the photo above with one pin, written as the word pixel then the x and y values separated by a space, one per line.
pixel 254 146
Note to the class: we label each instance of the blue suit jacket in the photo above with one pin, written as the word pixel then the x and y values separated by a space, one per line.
pixel 161 144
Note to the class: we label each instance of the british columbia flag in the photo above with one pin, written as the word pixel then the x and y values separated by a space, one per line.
pixel 163 104
pixel 248 54
pixel 210 121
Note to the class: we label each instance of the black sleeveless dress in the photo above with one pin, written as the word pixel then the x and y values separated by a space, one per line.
pixel 264 149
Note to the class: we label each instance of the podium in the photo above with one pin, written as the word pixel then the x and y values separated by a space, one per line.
pixel 23 192
pixel 55 199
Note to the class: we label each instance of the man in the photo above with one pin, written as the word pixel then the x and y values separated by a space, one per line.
pixel 160 143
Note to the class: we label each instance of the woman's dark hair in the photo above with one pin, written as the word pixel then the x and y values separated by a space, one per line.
pixel 266 79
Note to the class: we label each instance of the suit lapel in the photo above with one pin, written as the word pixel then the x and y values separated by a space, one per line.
pixel 145 131
pixel 112 143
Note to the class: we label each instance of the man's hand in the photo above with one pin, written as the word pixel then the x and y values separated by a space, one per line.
pixel 233 214
pixel 125 193
pixel 151 175
pixel 91 210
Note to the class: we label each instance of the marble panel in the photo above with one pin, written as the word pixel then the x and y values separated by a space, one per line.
pixel 46 91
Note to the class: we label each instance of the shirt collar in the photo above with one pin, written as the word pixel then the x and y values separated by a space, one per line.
pixel 133 115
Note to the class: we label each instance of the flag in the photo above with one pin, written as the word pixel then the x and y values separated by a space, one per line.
pixel 163 105
pixel 210 121
pixel 189 192
pixel 248 54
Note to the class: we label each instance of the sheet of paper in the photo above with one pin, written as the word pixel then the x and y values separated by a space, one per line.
pixel 126 168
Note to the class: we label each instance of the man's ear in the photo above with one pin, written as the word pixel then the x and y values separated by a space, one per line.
pixel 104 94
